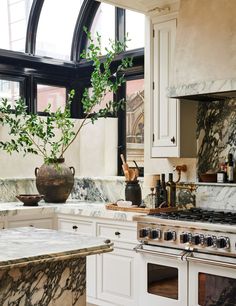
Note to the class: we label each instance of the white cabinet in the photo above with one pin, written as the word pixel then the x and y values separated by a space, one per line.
pixel 86 227
pixel 116 271
pixel 173 125
pixel 111 277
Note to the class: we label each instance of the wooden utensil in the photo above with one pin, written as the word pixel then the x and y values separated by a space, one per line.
pixel 132 175
pixel 125 165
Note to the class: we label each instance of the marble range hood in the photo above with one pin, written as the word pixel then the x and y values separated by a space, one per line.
pixel 205 51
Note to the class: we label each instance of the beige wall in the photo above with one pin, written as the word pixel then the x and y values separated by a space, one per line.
pixel 205 41
pixel 93 153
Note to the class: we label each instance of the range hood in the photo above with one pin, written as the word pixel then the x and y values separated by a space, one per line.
pixel 205 51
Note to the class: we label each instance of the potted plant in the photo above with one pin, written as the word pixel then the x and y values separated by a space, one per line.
pixel 51 136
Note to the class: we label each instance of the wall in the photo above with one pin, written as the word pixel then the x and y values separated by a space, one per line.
pixel 93 153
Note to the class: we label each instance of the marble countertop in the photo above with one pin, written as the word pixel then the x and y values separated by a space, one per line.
pixel 72 207
pixel 21 246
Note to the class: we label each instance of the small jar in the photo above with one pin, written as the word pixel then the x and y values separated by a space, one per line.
pixel 133 192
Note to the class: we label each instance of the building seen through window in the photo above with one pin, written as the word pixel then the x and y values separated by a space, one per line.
pixel 135 121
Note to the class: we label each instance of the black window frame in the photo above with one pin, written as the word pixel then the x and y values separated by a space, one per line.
pixel 31 69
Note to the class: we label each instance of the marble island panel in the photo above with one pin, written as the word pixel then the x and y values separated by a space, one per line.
pixel 45 267
pixel 20 246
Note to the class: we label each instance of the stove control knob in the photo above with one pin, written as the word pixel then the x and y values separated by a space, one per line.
pixel 143 232
pixel 169 235
pixel 155 234
pixel 183 237
pixel 222 242
pixel 196 239
pixel 208 241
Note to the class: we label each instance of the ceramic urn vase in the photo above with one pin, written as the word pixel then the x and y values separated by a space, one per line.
pixel 55 181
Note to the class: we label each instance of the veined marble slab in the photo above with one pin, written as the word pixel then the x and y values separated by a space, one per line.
pixel 204 87
pixel 72 207
pixel 24 245
pixel 216 197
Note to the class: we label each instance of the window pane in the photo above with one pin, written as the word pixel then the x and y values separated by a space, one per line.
pixel 54 95
pixel 135 28
pixel 9 90
pixel 13 19
pixel 56 27
pixel 135 121
pixel 104 24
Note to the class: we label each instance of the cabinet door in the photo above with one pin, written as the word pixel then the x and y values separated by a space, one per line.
pixel 116 277
pixel 164 109
pixel 82 227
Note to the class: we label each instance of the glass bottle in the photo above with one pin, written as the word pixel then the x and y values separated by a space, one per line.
pixel 230 168
pixel 171 191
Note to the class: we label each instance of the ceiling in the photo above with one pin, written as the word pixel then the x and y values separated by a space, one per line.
pixel 143 6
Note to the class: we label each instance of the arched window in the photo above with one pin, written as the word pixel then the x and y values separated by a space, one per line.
pixel 56 27
pixel 135 25
pixel 14 16
pixel 49 35
pixel 104 24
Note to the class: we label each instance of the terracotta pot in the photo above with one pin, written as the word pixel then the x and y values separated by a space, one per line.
pixel 55 181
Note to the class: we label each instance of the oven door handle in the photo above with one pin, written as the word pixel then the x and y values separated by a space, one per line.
pixel 205 261
pixel 139 249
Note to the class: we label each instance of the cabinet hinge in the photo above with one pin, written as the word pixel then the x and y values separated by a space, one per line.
pixel 153 137
pixel 153 85
pixel 153 33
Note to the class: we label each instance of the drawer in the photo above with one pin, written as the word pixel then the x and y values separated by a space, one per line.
pixel 39 223
pixel 81 227
pixel 117 233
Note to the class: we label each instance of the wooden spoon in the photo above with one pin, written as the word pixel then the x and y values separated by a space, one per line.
pixel 125 165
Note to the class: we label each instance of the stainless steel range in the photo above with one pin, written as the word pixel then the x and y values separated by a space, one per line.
pixel 188 258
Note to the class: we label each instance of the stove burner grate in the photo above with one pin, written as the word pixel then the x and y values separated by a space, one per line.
pixel 200 215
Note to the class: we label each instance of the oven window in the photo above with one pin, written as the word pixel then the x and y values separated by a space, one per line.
pixel 216 290
pixel 163 281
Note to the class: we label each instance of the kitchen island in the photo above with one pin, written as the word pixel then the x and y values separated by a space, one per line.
pixel 45 267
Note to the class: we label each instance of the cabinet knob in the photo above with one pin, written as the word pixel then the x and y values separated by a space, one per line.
pixel 173 139
pixel 117 233
pixel 74 227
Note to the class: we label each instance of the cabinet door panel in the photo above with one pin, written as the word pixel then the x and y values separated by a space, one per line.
pixel 165 110
pixel 116 277
pixel 86 228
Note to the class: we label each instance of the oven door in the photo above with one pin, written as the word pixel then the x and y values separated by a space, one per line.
pixel 163 276
pixel 212 280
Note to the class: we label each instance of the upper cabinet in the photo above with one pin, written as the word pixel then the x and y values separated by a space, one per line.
pixel 173 122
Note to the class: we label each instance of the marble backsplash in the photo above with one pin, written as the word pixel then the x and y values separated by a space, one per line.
pixel 216 133
pixel 110 189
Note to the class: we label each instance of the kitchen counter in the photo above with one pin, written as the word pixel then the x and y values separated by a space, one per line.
pixel 45 267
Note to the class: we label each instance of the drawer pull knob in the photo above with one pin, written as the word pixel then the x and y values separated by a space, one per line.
pixel 31 225
pixel 75 227
pixel 173 139
pixel 117 233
